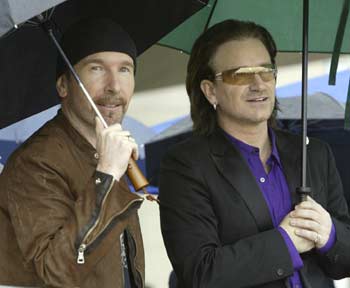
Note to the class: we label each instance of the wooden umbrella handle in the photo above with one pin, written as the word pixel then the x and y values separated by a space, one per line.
pixel 137 179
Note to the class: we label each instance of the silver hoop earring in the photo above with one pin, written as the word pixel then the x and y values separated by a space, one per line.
pixel 214 105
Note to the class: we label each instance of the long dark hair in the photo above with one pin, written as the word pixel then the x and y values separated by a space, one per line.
pixel 198 68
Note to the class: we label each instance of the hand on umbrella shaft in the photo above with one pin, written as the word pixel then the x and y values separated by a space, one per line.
pixel 115 147
pixel 312 222
pixel 308 225
pixel 301 244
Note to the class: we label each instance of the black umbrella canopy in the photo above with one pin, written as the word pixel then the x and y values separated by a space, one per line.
pixel 28 56
pixel 15 12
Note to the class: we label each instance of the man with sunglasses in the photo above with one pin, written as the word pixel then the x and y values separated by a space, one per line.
pixel 230 213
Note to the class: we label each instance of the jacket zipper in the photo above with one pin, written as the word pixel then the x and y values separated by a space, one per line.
pixel 81 250
pixel 83 246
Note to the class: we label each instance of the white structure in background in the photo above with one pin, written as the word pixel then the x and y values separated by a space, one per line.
pixel 345 283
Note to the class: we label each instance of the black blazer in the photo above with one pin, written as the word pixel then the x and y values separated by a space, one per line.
pixel 216 224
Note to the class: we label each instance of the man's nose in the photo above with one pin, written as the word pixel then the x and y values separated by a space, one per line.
pixel 257 83
pixel 112 83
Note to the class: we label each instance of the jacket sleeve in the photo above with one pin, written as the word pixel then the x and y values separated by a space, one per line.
pixel 190 231
pixel 336 262
pixel 49 216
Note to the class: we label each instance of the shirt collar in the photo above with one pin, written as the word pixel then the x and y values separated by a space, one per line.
pixel 274 152
pixel 242 146
pixel 246 148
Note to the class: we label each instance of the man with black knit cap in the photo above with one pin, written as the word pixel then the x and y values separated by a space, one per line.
pixel 67 216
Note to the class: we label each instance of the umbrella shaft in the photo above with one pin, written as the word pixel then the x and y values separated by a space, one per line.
pixel 92 103
pixel 75 75
pixel 304 90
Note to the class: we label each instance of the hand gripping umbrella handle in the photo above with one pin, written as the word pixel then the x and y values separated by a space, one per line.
pixel 137 179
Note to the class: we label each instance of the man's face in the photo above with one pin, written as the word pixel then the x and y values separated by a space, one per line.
pixel 109 79
pixel 247 103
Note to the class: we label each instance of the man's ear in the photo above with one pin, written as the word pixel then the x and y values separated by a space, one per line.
pixel 209 91
pixel 62 86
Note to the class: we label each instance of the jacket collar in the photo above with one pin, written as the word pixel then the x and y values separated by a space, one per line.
pixel 235 170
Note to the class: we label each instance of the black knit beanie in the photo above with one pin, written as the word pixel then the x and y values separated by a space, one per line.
pixel 93 35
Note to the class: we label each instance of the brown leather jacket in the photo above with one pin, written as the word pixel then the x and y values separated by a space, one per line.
pixel 56 211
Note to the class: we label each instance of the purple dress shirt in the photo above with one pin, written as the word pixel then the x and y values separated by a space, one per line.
pixel 277 195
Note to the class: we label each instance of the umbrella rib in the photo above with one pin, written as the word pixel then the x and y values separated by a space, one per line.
pixel 347 111
pixel 338 42
pixel 31 23
pixel 210 15
pixel 51 12
pixel 202 2
pixel 10 32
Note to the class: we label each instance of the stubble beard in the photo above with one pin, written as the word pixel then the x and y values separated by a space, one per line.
pixel 112 117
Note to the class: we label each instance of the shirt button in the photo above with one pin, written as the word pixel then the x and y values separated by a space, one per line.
pixel 262 180
pixel 280 272
pixel 96 155
pixel 98 181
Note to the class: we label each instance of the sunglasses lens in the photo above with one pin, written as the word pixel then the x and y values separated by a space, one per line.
pixel 241 79
pixel 267 76
pixel 230 77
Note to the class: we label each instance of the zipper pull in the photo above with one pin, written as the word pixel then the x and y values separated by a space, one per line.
pixel 81 258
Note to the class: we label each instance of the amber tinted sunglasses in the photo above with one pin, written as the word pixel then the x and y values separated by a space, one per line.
pixel 246 75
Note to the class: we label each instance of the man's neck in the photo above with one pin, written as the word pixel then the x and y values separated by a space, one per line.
pixel 255 135
pixel 84 129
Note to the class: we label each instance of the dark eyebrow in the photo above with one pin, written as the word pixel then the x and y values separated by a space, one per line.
pixel 93 60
